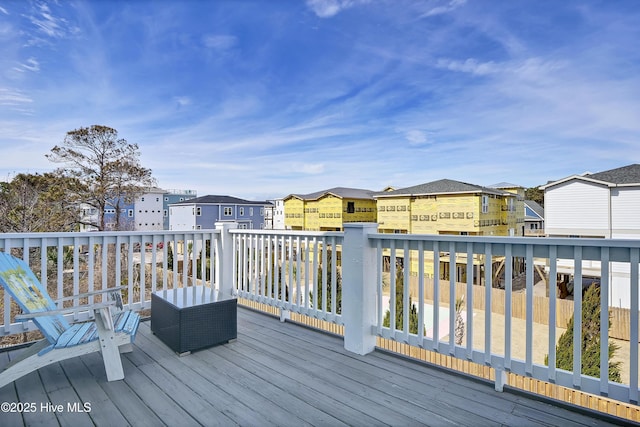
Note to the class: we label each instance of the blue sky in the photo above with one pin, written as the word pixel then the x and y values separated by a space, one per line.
pixel 261 99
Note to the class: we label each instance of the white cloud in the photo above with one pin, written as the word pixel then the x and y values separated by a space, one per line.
pixel 52 26
pixel 449 7
pixel 30 64
pixel 13 97
pixel 416 137
pixel 468 66
pixel 182 101
pixel 329 8
pixel 219 42
pixel 3 10
pixel 308 168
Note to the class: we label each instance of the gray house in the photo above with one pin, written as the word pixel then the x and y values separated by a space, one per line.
pixel 533 218
pixel 203 212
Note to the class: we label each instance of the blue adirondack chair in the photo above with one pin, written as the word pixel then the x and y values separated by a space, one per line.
pixel 112 332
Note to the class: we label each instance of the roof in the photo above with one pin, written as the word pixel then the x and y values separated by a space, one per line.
pixel 442 186
pixel 341 192
pixel 623 176
pixel 219 200
pixel 505 185
pixel 535 206
pixel 154 190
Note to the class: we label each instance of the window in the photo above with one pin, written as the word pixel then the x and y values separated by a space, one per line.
pixel 157 199
pixel 241 212
pixel 250 211
pixel 198 211
pixel 485 204
pixel 142 199
pixel 227 212
pixel 261 211
pixel 130 213
pixel 351 207
pixel 166 199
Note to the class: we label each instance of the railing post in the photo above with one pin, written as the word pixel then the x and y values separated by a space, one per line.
pixel 359 287
pixel 224 259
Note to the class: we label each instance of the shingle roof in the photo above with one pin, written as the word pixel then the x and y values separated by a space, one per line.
pixel 343 192
pixel 217 200
pixel 442 186
pixel 535 206
pixel 624 175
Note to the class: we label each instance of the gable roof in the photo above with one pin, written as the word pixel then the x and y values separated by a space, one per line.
pixel 623 176
pixel 218 200
pixel 442 186
pixel 536 208
pixel 341 192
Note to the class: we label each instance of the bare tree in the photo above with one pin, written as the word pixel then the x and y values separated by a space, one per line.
pixel 38 203
pixel 108 168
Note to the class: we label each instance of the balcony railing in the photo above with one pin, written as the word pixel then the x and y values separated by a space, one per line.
pixel 349 278
pixel 74 263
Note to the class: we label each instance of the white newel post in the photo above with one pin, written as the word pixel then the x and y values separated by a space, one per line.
pixel 359 287
pixel 224 259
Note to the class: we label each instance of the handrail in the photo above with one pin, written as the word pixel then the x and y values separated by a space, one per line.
pixel 74 264
pixel 349 279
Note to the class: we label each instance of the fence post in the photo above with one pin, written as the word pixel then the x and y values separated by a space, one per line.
pixel 359 287
pixel 224 259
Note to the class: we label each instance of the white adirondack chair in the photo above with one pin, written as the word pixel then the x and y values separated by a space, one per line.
pixel 112 332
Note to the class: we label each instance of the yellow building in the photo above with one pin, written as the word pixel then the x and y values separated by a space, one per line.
pixel 519 203
pixel 328 210
pixel 449 207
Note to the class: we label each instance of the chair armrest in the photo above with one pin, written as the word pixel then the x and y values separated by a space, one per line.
pixel 27 316
pixel 88 294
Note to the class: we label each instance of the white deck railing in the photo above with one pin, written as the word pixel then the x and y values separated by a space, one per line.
pixel 368 291
pixel 280 268
pixel 75 263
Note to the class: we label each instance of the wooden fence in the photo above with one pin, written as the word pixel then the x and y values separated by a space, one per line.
pixel 620 317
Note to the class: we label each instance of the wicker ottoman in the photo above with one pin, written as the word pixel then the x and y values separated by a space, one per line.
pixel 189 319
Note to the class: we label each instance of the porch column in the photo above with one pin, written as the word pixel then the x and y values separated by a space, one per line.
pixel 224 259
pixel 359 268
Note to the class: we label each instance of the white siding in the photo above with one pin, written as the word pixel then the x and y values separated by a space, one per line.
pixel 577 208
pixel 149 212
pixel 278 215
pixel 182 217
pixel 625 211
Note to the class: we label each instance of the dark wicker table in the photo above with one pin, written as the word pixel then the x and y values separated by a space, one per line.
pixel 189 319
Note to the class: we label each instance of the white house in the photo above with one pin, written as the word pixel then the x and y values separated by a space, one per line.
pixel 597 205
pixel 149 210
pixel 274 215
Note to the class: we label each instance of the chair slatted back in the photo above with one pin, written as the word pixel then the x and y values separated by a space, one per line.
pixel 24 287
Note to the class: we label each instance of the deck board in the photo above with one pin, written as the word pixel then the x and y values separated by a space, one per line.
pixel 277 374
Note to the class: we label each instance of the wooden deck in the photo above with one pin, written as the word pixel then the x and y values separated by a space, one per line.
pixel 275 373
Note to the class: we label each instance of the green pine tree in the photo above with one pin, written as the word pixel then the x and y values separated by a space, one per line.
pixel 328 287
pixel 413 311
pixel 169 257
pixel 590 340
pixel 276 284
